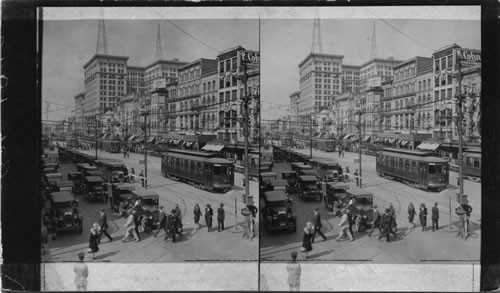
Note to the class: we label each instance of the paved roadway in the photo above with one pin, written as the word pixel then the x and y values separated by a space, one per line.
pixel 410 246
pixel 194 245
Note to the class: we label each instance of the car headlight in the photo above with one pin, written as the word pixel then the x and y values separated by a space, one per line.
pixel 275 217
pixel 75 216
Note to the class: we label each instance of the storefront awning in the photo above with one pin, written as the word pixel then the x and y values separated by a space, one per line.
pixel 404 142
pixel 151 139
pixel 366 138
pixel 428 146
pixel 189 143
pixel 354 137
pixel 132 137
pixel 213 147
pixel 347 136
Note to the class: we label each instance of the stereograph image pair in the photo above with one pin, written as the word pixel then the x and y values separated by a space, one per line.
pixel 251 149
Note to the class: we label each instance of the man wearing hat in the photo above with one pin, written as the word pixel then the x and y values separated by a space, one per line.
pixel 317 225
pixel 294 271
pixel 162 222
pixel 130 225
pixel 376 221
pixel 385 224
pixel 220 217
pixel 103 222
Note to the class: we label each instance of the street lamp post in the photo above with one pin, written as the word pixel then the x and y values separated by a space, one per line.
pixel 96 127
pixel 359 148
pixel 145 114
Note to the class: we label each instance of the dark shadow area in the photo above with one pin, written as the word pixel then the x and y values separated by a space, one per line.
pixel 107 254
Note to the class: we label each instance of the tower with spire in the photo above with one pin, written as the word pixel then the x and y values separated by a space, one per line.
pixel 159 51
pixel 317 46
pixel 373 49
pixel 102 46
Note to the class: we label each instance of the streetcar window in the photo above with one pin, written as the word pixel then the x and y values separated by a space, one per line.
pixel 467 162
pixel 198 168
pixel 191 169
pixel 220 170
pixel 407 165
pixel 413 166
pixel 177 163
pixel 392 162
pixel 432 169
pixel 401 164
pixel 476 163
pixel 439 169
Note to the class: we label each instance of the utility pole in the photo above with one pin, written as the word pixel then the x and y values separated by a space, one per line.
pixel 359 149
pixel 246 132
pixel 145 114
pixel 459 126
pixel 310 138
pixel 96 125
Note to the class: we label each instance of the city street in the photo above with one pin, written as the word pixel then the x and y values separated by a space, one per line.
pixel 194 245
pixel 410 245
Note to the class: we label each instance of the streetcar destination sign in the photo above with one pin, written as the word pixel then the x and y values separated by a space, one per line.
pixel 470 56
pixel 250 57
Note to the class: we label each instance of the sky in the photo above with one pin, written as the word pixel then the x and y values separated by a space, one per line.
pixel 70 37
pixel 69 43
pixel 350 36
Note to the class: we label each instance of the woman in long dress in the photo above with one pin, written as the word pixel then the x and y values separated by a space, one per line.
pixel 197 215
pixel 411 215
pixel 93 241
pixel 307 239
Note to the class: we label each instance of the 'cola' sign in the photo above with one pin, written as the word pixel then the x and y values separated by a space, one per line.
pixel 250 56
pixel 468 55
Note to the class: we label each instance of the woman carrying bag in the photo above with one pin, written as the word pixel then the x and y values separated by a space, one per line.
pixel 93 241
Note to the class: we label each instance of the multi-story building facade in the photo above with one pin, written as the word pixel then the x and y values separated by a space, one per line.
pixel 189 99
pixel 231 92
pixel 294 111
pixel 105 82
pixel 471 83
pixel 135 80
pixel 166 70
pixel 350 78
pixel 125 111
pixel 320 80
pixel 344 107
pixel 79 116
pixel 424 121
pixel 157 111
pixel 376 71
pixel 444 92
pixel 209 114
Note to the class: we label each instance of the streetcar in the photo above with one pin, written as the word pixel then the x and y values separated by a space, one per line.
pixel 201 169
pixel 472 165
pixel 418 169
pixel 111 145
pixel 325 144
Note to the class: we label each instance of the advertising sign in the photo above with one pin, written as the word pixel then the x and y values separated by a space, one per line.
pixel 468 56
pixel 250 57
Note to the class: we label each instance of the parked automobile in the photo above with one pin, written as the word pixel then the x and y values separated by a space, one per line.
pixel 277 211
pixel 309 188
pixel 64 212
pixel 94 189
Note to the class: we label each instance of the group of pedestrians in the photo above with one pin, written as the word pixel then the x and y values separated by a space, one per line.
pixel 171 223
pixel 96 232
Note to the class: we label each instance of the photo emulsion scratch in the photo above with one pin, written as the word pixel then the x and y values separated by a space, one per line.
pixel 150 152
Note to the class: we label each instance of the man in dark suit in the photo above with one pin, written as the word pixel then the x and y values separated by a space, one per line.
pixel 376 221
pixel 172 225
pixel 162 222
pixel 317 225
pixel 220 217
pixel 435 217
pixel 103 222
